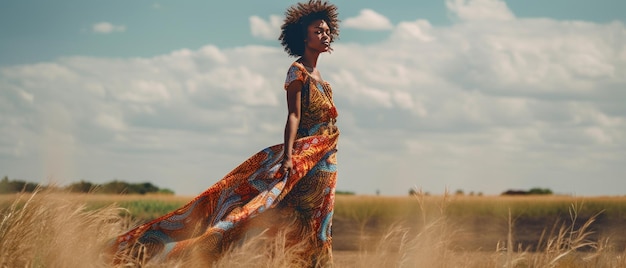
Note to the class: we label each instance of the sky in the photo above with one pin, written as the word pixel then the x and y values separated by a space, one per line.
pixel 475 95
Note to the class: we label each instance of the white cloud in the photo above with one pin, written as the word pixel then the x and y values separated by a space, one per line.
pixel 144 91
pixel 110 122
pixel 482 105
pixel 26 96
pixel 487 10
pixel 107 28
pixel 418 30
pixel 368 20
pixel 269 30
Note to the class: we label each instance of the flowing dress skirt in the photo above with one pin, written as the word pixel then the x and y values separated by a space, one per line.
pixel 223 214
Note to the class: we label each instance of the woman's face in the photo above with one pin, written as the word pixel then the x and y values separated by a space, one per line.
pixel 318 36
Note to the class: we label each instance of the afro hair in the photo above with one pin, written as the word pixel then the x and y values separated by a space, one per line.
pixel 298 17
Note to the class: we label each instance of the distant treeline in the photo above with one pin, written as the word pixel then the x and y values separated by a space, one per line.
pixel 533 191
pixel 113 187
pixel 338 192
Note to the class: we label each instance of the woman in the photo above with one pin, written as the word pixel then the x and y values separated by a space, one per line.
pixel 286 186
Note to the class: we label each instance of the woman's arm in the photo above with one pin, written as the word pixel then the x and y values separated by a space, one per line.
pixel 293 120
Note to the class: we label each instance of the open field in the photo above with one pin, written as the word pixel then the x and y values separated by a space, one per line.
pixel 47 230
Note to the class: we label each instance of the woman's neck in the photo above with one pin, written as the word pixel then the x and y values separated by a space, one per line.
pixel 309 59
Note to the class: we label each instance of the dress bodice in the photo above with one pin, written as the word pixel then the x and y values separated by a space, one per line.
pixel 318 114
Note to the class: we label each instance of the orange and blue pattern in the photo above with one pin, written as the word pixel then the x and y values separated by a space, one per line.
pixel 224 213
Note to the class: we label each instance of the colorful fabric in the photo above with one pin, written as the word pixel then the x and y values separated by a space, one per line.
pixel 224 213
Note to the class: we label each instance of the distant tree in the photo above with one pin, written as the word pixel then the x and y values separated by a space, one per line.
pixel 540 191
pixel 81 187
pixel 121 187
pixel 515 192
pixel 143 188
pixel 459 192
pixel 115 187
pixel 416 192
pixel 5 186
pixel 165 191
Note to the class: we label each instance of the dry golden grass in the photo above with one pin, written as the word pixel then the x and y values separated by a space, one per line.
pixel 48 229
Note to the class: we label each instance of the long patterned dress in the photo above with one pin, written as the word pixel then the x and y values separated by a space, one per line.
pixel 223 214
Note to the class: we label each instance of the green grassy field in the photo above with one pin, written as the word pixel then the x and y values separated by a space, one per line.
pixel 445 231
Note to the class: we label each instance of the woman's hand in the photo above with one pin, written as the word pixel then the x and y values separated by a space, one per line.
pixel 287 166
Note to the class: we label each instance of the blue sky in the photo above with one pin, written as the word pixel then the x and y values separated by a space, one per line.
pixel 479 95
pixel 35 30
